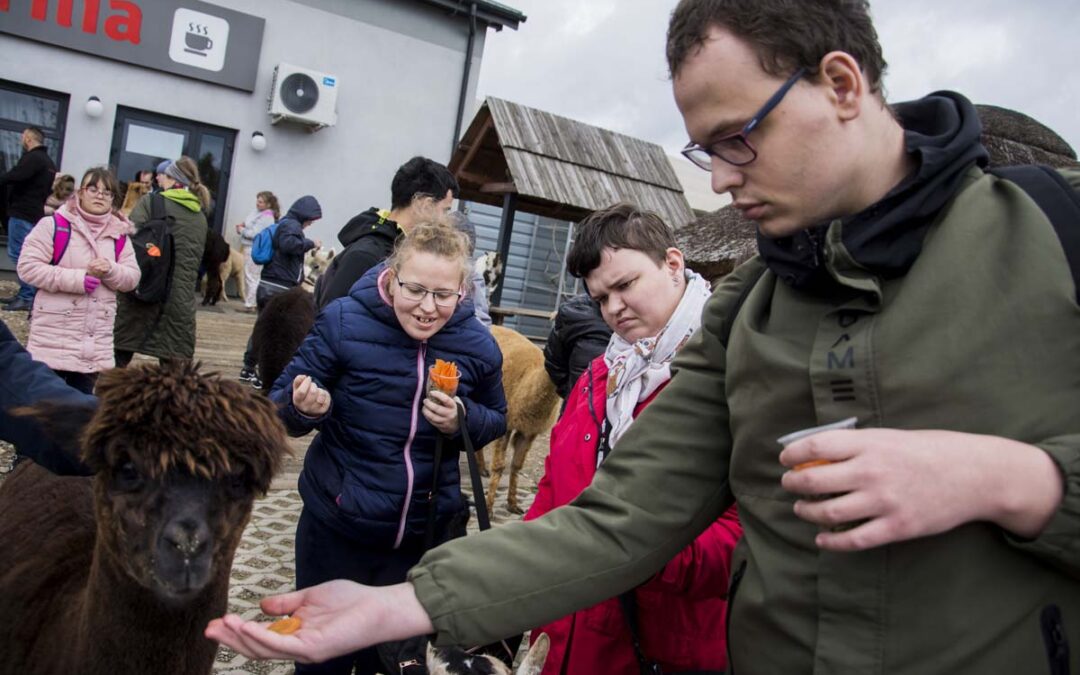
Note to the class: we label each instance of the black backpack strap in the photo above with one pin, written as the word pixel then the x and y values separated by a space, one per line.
pixel 1058 200
pixel 157 207
pixel 628 602
pixel 482 517
pixel 729 320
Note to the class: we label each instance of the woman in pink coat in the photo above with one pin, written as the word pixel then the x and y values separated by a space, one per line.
pixel 78 258
pixel 653 303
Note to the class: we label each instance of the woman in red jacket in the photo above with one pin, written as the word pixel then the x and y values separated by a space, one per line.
pixel 631 267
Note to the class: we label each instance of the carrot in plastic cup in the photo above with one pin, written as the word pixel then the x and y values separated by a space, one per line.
pixel 788 439
pixel 443 376
pixel 286 626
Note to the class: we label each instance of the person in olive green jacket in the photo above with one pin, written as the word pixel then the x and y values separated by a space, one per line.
pixel 897 283
pixel 168 331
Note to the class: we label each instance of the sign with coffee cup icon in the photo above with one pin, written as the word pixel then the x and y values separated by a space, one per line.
pixel 198 39
pixel 191 38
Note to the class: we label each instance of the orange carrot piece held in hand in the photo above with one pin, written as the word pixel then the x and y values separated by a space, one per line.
pixel 286 626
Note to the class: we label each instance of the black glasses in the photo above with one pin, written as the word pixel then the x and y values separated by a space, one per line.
pixel 416 293
pixel 735 148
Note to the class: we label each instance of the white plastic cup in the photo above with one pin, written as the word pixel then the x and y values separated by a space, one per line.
pixel 788 439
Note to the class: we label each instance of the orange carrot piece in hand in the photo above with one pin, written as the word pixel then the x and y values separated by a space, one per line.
pixel 286 626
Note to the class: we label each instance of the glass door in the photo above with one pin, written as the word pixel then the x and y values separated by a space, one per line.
pixel 22 106
pixel 142 139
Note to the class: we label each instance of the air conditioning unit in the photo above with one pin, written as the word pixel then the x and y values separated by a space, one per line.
pixel 303 96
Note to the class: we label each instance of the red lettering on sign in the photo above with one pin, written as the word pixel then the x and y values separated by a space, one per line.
pixel 126 27
pixel 90 16
pixel 63 13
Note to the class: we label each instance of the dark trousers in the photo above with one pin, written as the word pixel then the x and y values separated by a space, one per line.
pixel 322 554
pixel 84 382
pixel 123 358
pixel 262 296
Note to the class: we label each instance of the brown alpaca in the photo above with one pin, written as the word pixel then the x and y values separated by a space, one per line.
pixel 120 572
pixel 135 191
pixel 280 330
pixel 532 406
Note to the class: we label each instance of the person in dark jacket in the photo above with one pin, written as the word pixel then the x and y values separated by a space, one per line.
pixel 29 184
pixel 420 186
pixel 167 331
pixel 286 269
pixel 360 378
pixel 579 336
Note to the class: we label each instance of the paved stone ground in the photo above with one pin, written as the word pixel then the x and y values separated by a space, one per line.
pixel 264 563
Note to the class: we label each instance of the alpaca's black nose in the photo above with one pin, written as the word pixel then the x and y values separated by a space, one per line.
pixel 187 537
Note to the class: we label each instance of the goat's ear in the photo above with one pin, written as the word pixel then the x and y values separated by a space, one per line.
pixel 435 663
pixel 534 660
pixel 52 434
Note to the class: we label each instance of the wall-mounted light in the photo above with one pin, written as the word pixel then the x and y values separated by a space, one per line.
pixel 94 107
pixel 258 141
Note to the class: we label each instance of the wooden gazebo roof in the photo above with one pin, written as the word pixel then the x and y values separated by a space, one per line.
pixel 561 168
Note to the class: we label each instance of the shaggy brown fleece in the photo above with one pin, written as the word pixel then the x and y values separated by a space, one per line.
pixel 81 589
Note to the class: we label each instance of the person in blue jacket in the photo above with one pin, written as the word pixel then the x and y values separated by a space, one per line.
pixel 286 269
pixel 360 378
pixel 24 381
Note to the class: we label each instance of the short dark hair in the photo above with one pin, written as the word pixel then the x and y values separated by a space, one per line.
pixel 421 176
pixel 786 34
pixel 622 226
pixel 36 133
pixel 101 174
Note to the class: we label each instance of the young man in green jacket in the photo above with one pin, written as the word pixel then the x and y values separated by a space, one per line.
pixel 896 283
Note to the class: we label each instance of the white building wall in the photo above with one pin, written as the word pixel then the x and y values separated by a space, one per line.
pixel 398 97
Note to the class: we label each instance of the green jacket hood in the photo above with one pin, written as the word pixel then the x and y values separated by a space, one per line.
pixel 184 198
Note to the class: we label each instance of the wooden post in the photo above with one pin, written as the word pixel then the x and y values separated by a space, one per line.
pixel 506 229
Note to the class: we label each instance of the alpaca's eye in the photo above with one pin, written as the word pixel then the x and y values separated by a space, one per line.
pixel 127 477
pixel 237 484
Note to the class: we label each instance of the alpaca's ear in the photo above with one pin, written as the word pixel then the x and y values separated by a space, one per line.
pixel 534 660
pixel 53 432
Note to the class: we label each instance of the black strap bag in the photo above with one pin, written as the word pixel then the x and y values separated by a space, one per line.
pixel 153 246
pixel 409 657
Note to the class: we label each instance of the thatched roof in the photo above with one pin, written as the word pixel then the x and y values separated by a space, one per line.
pixel 716 242
pixel 562 168
pixel 1014 138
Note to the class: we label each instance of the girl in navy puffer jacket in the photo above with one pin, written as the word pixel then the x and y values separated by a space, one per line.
pixel 359 378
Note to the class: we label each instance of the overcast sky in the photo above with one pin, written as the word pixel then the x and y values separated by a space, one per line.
pixel 602 61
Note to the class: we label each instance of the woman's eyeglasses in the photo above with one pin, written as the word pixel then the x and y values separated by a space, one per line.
pixel 98 192
pixel 416 293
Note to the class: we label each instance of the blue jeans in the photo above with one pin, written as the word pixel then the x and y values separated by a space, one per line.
pixel 17 231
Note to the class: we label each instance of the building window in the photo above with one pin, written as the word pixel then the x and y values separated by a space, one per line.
pixel 22 106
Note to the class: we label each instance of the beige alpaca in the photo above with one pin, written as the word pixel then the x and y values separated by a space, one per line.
pixel 135 191
pixel 233 267
pixel 532 406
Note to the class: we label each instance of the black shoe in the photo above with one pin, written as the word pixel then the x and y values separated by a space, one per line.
pixel 256 383
pixel 18 305
pixel 248 375
pixel 7 299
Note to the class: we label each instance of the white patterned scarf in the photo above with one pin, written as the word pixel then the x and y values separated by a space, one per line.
pixel 636 371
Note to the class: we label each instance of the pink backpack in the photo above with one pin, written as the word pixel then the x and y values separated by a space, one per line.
pixel 62 235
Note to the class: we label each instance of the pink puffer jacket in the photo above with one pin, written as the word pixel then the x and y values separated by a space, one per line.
pixel 71 329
